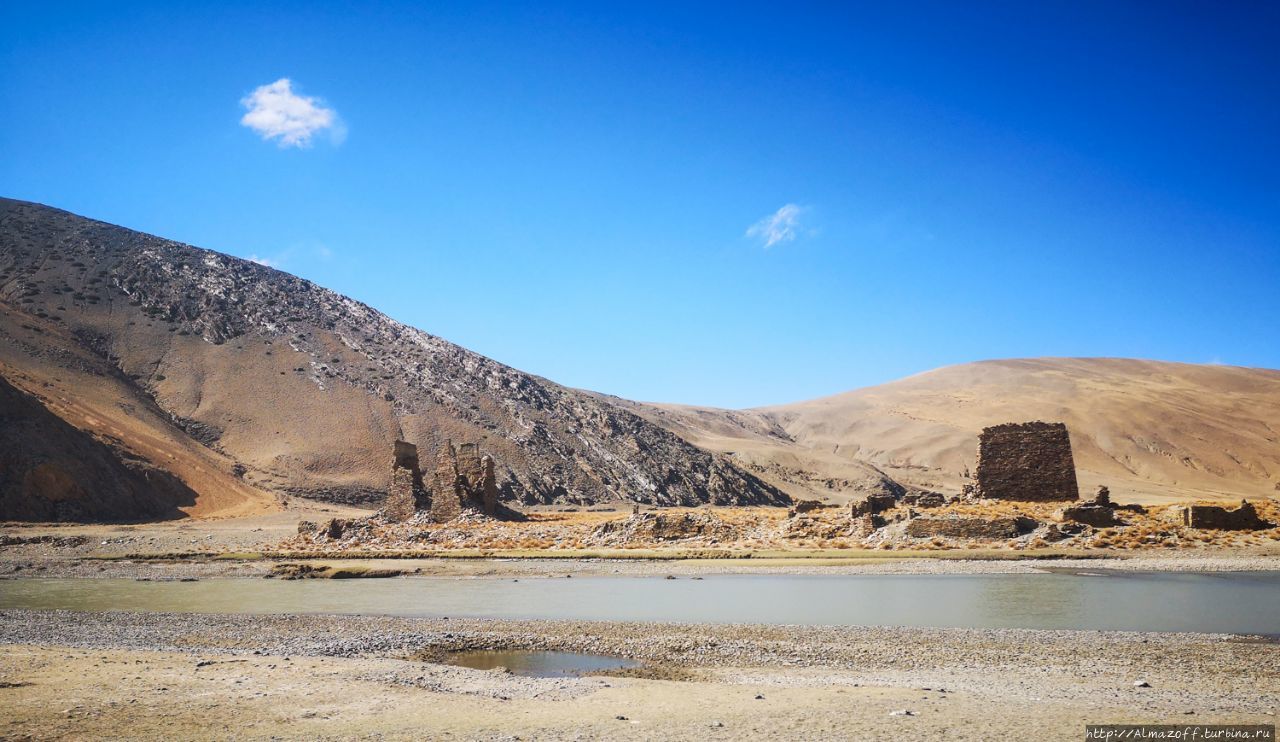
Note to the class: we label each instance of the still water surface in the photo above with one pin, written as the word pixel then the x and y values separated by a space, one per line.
pixel 1214 602
pixel 538 664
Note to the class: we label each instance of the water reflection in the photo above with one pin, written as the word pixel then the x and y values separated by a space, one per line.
pixel 1232 603
pixel 538 664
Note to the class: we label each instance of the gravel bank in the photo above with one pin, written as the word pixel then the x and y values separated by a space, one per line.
pixel 1186 671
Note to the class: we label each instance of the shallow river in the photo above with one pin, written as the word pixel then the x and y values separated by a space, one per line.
pixel 1215 602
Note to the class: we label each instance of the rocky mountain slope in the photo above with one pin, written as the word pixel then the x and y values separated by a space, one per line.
pixel 1152 431
pixel 247 383
pixel 144 378
pixel 48 466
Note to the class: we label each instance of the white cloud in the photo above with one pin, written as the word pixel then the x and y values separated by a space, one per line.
pixel 780 226
pixel 276 112
pixel 306 251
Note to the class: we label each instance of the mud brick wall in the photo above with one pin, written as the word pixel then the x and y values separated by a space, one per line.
pixel 1026 461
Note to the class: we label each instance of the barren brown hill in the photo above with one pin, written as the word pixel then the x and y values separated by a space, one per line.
pixel 1152 431
pixel 247 383
pixel 46 466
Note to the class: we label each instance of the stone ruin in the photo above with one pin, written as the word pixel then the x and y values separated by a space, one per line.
pixel 463 481
pixel 1243 518
pixel 702 527
pixel 872 505
pixel 925 499
pixel 1029 462
pixel 804 506
pixel 865 514
pixel 406 484
pixel 980 529
pixel 1100 512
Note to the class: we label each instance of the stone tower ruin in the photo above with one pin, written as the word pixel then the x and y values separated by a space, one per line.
pixel 1026 461
pixel 406 483
pixel 446 493
pixel 462 480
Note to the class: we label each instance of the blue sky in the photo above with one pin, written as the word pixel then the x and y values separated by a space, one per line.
pixel 572 189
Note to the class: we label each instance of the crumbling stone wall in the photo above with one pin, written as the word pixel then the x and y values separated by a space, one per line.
pixel 488 486
pixel 1243 518
pixel 986 529
pixel 1026 461
pixel 480 485
pixel 804 506
pixel 863 526
pixel 872 505
pixel 654 527
pixel 1099 512
pixel 406 483
pixel 464 480
pixel 469 467
pixel 925 499
pixel 1097 516
pixel 446 493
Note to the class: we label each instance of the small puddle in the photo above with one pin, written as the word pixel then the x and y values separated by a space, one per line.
pixel 538 664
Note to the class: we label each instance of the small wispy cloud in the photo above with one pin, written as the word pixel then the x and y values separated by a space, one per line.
pixel 781 226
pixel 276 112
pixel 304 251
pixel 269 262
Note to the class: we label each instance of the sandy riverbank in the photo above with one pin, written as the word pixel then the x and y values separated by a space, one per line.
pixel 95 674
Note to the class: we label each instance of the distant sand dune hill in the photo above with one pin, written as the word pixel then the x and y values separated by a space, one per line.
pixel 1152 431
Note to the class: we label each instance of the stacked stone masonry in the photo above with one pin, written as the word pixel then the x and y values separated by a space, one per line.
pixel 872 505
pixel 1243 518
pixel 462 480
pixel 1100 512
pixel 986 529
pixel 1026 461
pixel 406 483
pixel 446 493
